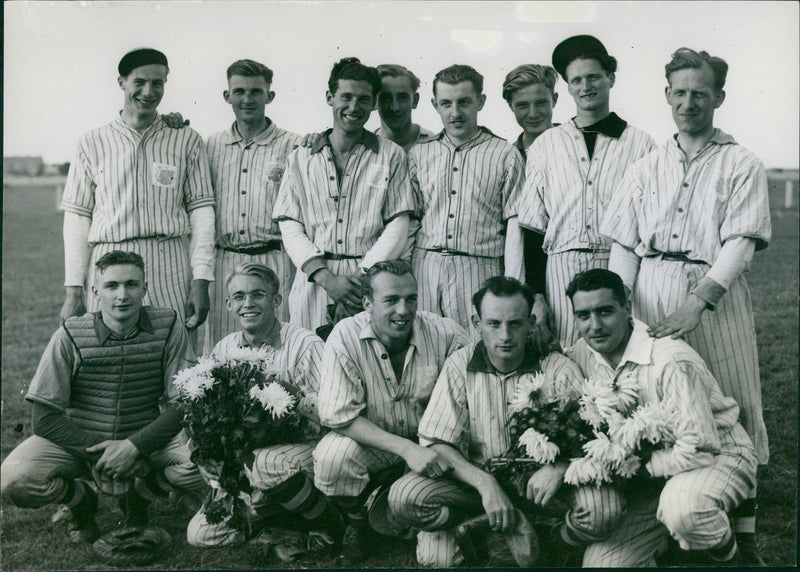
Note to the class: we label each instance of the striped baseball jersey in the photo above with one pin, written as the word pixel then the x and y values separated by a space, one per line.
pixel 136 185
pixel 359 379
pixel 669 204
pixel 246 176
pixel 465 192
pixel 566 192
pixel 469 405
pixel 671 373
pixel 290 348
pixel 344 217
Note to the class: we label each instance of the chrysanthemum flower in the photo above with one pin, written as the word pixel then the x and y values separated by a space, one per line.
pixel 273 398
pixel 586 470
pixel 538 447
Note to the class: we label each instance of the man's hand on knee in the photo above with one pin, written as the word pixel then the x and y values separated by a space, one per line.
pixel 118 459
pixel 427 462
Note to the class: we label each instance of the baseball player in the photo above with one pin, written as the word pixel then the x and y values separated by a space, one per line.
pixel 380 367
pixel 685 223
pixel 399 96
pixel 467 180
pixel 138 185
pixel 344 203
pixel 95 398
pixel 246 163
pixel 572 171
pixel 282 475
pixel 530 92
pixel 466 422
pixel 711 466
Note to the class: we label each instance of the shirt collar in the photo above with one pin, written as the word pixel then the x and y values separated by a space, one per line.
pixel 639 349
pixel 519 144
pixel 719 137
pixel 104 332
pixel 610 126
pixel 368 140
pixel 155 125
pixel 480 361
pixel 481 134
pixel 233 135
pixel 367 333
pixel 273 338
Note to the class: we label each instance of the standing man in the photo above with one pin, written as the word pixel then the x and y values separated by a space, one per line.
pixel 399 96
pixel 247 162
pixel 95 398
pixel 573 170
pixel 686 489
pixel 344 203
pixel 380 368
pixel 138 185
pixel 467 180
pixel 685 223
pixel 530 91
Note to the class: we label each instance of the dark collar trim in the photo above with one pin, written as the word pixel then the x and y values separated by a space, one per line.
pixel 610 126
pixel 368 140
pixel 479 362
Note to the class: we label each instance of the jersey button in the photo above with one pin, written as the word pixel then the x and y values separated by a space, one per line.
pixel 243 214
pixel 384 356
pixel 341 220
pixel 336 199
pixel 674 236
pixel 451 215
pixel 244 170
pixel 455 168
pixel 449 236
pixel 452 192
pixel 680 210
pixel 332 178
pixel 686 184
pixel 241 232
pixel 244 192
pixel 339 241
pixel 588 182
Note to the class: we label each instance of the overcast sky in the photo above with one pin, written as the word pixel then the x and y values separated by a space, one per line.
pixel 61 58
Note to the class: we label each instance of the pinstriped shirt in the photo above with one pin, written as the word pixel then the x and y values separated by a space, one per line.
pixel 670 372
pixel 466 192
pixel 566 192
pixel 469 405
pixel 345 217
pixel 136 185
pixel 246 176
pixel 359 379
pixel 669 204
pixel 298 352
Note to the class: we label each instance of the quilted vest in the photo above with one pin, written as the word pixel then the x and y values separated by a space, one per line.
pixel 117 387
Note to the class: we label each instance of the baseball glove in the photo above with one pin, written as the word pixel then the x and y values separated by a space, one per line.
pixel 137 546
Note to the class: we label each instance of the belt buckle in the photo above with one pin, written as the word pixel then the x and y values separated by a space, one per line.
pixel 447 252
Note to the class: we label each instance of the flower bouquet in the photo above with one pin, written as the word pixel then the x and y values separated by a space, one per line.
pixel 233 404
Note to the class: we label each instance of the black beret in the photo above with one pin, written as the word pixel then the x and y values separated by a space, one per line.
pixel 574 47
pixel 138 58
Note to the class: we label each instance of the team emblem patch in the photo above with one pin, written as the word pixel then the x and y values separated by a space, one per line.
pixel 275 172
pixel 164 175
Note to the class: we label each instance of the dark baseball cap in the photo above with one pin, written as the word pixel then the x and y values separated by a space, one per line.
pixel 583 46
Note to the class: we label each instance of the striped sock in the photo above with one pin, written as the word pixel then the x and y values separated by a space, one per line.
pixel 298 495
pixel 744 517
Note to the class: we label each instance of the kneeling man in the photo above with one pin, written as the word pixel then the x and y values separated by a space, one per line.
pixel 95 399
pixel 700 483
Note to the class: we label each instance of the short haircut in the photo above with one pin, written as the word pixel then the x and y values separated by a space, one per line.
pixel 118 257
pixel 250 68
pixel 265 273
pixel 608 63
pixel 684 58
pixel 596 279
pixel 397 267
pixel 502 287
pixel 457 73
pixel 395 70
pixel 529 74
pixel 353 69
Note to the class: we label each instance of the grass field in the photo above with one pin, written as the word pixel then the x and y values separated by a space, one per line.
pixel 32 295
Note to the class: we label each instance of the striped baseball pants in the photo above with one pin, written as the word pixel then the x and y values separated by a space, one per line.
pixel 447 282
pixel 308 302
pixel 561 269
pixel 692 508
pixel 271 467
pixel 342 466
pixel 220 321
pixel 437 506
pixel 725 337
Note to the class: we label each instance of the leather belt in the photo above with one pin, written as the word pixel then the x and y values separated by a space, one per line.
pixel 679 257
pixel 446 252
pixel 332 256
pixel 591 250
pixel 269 246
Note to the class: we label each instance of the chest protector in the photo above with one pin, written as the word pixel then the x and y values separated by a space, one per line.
pixel 118 385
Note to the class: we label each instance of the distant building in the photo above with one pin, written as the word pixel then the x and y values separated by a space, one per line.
pixel 30 166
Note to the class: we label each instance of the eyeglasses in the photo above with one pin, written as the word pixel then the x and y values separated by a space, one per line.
pixel 256 296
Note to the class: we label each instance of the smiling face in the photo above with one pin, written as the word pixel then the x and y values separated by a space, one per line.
pixel 458 106
pixel 143 88
pixel 396 101
pixel 504 324
pixel 533 108
pixel 252 302
pixel 352 104
pixel 589 85
pixel 693 98
pixel 602 322
pixel 248 96
pixel 120 289
pixel 392 307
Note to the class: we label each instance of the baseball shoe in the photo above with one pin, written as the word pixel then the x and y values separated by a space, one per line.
pixel 83 528
pixel 355 543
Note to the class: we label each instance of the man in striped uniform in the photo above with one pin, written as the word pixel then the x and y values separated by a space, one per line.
pixel 530 91
pixel 282 475
pixel 139 185
pixel 247 162
pixel 399 96
pixel 689 487
pixel 380 367
pixel 572 171
pixel 96 408
pixel 467 180
pixel 466 422
pixel 685 223
pixel 344 203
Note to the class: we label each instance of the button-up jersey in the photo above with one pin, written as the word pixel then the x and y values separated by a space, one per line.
pixel 670 204
pixel 359 378
pixel 469 408
pixel 466 192
pixel 246 176
pixel 345 217
pixel 566 193
pixel 136 185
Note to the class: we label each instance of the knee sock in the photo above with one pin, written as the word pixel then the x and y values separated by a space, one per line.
pixel 744 516
pixel 298 495
pixel 724 551
pixel 351 508
pixel 74 493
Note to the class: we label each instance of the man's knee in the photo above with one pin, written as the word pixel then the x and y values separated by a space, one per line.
pixel 11 474
pixel 334 457
pixel 682 510
pixel 402 499
pixel 596 513
pixel 438 549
